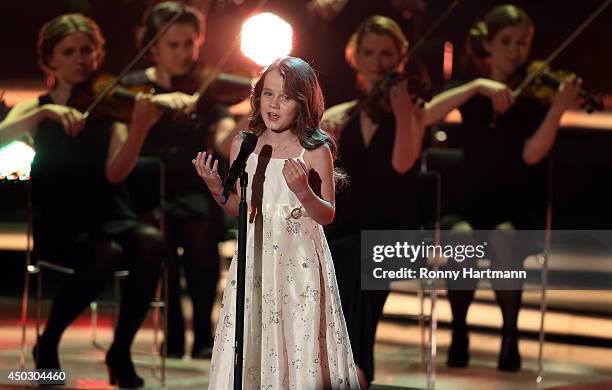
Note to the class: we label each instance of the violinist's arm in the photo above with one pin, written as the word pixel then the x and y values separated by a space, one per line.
pixel 446 101
pixel 226 130
pixel 126 143
pixel 540 143
pixel 23 118
pixel 443 103
pixel 409 129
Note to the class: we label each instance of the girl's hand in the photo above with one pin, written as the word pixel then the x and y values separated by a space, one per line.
pixel 499 93
pixel 145 113
pixel 177 101
pixel 296 176
pixel 567 95
pixel 71 119
pixel 209 174
pixel 401 100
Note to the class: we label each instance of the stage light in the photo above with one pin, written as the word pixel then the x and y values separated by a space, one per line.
pixel 266 37
pixel 15 161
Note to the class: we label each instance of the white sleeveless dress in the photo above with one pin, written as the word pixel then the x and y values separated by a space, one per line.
pixel 295 334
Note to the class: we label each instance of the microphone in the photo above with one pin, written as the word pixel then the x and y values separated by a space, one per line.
pixel 246 148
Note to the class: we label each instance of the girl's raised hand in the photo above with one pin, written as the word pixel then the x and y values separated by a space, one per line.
pixel 296 176
pixel 208 173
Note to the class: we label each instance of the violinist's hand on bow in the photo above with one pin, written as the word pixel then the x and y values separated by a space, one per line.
pixel 71 119
pixel 178 101
pixel 499 93
pixel 567 94
pixel 401 100
pixel 145 113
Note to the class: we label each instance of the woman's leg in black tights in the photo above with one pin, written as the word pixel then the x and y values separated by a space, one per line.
pixel 201 261
pixel 94 259
pixel 144 249
pixel 460 296
pixel 175 343
pixel 507 255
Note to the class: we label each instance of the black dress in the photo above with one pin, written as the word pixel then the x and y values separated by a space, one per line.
pixel 498 185
pixel 70 192
pixel 377 197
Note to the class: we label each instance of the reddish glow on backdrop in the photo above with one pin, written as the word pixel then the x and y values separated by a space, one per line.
pixel 447 64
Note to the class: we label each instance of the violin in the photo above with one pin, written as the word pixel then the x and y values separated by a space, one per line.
pixel 119 102
pixel 377 101
pixel 545 85
pixel 212 87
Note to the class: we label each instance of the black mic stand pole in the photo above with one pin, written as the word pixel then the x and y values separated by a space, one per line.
pixel 241 275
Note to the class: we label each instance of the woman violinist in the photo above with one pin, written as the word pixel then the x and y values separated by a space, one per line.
pixel 193 220
pixel 379 144
pixel 82 216
pixel 505 138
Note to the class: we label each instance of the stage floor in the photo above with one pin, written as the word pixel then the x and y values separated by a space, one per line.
pixel 399 363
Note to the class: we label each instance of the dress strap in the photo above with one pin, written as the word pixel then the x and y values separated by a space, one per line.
pixel 302 154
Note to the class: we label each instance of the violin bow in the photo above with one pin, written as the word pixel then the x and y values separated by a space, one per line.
pixel 542 68
pixel 108 88
pixel 382 84
pixel 216 70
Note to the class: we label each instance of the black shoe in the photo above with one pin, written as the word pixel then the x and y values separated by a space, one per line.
pixel 202 353
pixel 509 356
pixel 458 353
pixel 45 357
pixel 121 370
pixel 173 351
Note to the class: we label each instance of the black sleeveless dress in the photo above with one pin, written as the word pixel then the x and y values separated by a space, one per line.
pixel 70 193
pixel 498 186
pixel 376 198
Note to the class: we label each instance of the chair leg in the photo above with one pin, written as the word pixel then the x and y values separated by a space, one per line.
pixel 25 299
pixel 38 303
pixel 160 321
pixel 93 323
pixel 422 331
pixel 164 326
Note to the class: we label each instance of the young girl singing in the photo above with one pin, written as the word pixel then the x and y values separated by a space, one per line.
pixel 295 334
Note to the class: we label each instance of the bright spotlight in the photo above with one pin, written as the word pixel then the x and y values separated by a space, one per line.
pixel 266 37
pixel 15 160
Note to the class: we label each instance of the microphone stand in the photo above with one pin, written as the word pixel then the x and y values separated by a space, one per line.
pixel 240 288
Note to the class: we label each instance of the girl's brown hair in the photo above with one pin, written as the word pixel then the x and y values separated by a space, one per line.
pixel 301 84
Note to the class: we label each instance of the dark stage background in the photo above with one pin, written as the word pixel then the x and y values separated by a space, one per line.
pixel 319 41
